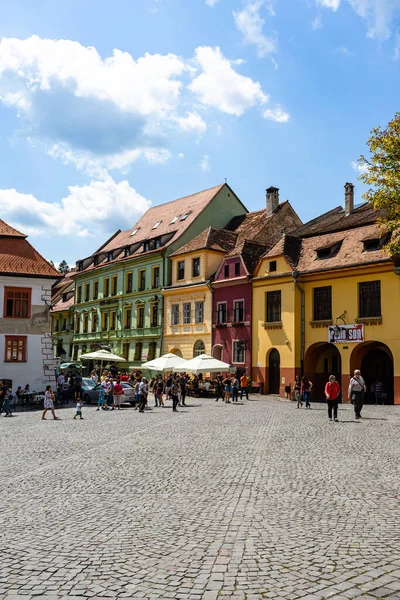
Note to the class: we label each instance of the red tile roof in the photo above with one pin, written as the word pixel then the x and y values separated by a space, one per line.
pixel 18 257
pixel 212 239
pixel 8 231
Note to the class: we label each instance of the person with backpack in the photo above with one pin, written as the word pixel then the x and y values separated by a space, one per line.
pixel 332 391
pixel 356 391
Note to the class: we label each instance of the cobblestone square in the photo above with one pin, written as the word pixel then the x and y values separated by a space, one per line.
pixel 248 501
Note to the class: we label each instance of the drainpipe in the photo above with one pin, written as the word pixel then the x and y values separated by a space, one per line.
pixel 164 260
pixel 295 275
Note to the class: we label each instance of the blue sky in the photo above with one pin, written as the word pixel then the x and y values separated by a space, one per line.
pixel 107 108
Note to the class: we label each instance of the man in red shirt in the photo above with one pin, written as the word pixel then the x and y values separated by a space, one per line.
pixel 124 377
pixel 332 391
pixel 118 392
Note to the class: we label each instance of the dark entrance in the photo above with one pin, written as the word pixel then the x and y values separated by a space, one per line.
pixel 274 372
pixel 322 359
pixel 377 366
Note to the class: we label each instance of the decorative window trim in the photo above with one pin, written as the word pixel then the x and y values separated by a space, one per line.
pixel 273 325
pixel 16 338
pixel 325 323
pixel 369 320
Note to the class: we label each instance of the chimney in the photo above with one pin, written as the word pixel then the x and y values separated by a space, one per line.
pixel 272 200
pixel 348 198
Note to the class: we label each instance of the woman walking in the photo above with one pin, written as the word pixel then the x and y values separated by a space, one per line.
pixel 227 390
pixel 297 391
pixel 235 389
pixel 306 387
pixel 332 391
pixel 49 403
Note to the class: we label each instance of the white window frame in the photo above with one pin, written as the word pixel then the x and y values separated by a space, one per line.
pixel 196 312
pixel 175 313
pixel 226 313
pixel 234 309
pixel 190 313
pixel 237 362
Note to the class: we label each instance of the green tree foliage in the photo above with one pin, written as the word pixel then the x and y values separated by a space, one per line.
pixel 64 267
pixel 382 174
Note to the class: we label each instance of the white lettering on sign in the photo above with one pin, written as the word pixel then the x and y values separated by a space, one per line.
pixel 345 333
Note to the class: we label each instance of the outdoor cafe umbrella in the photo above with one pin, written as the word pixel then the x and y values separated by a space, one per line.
pixel 203 364
pixel 165 363
pixel 102 355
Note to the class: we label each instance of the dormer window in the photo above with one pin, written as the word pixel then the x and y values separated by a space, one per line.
pixel 80 265
pixel 157 242
pixel 109 256
pixel 374 244
pixel 157 224
pixel 185 216
pixel 134 232
pixel 126 251
pixel 96 261
pixel 146 246
pixel 174 220
pixel 329 251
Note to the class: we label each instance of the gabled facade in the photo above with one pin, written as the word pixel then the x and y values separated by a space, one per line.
pixel 188 300
pixel 232 290
pixel 118 299
pixel 62 317
pixel 325 300
pixel 26 279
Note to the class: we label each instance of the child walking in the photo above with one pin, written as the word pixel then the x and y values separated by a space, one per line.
pixel 78 409
pixel 101 400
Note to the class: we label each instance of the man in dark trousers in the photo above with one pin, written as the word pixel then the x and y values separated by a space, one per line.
pixel 219 389
pixel 357 389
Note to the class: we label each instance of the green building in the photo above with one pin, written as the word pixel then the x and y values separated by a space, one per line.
pixel 118 300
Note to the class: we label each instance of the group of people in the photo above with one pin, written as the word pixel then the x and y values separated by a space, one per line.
pixel 302 387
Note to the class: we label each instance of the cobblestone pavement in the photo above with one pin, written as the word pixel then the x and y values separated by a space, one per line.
pixel 248 501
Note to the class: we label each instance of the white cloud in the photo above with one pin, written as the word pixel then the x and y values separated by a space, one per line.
pixel 359 168
pixel 378 14
pixel 211 2
pixel 220 86
pixel 276 114
pixel 317 23
pixel 192 122
pixel 97 208
pixel 181 155
pixel 205 163
pixel 250 24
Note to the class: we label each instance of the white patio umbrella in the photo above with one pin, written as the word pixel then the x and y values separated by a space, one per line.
pixel 164 363
pixel 102 355
pixel 203 364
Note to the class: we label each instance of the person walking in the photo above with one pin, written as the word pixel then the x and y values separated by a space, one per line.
pixel 78 412
pixel 356 391
pixel 219 388
pixel 306 387
pixel 244 386
pixel 235 389
pixel 297 391
pixel 5 400
pixel 143 391
pixel 49 403
pixel 78 387
pixel 118 392
pixel 65 390
pixel 227 390
pixel 174 396
pixel 332 391
pixel 101 399
pixel 182 382
pixel 160 391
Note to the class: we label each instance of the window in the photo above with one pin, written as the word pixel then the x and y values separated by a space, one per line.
pixel 187 314
pixel 175 314
pixel 114 280
pixel 199 348
pixel 370 299
pixel 79 294
pixel 181 270
pixel 226 271
pixel 146 246
pixel 272 266
pixel 64 324
pixel 185 216
pixel 129 283
pixel 273 307
pixel 174 220
pixel 127 251
pixel 238 351
pixel 154 315
pixel 237 269
pixel 128 318
pixel 96 261
pixel 152 351
pixel 329 251
pixel 199 310
pixel 77 324
pixel 221 313
pixel 134 232
pixel 80 266
pixel 113 320
pixel 56 325
pixel 323 303
pixel 196 267
pixel 106 288
pixel 125 350
pixel 95 320
pixel 138 351
pixel 157 242
pixel 157 224
pixel 87 292
pixel 95 290
pixel 17 302
pixel 75 353
pixel 104 325
pixel 156 277
pixel 85 323
pixel 238 311
pixel 110 256
pixel 140 317
pixel 15 348
pixel 374 244
pixel 142 280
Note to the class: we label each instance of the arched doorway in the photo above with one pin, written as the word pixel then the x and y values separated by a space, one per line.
pixel 199 348
pixel 274 372
pixel 217 352
pixel 176 351
pixel 375 361
pixel 321 360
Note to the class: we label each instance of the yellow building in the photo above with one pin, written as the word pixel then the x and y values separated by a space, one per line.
pixel 188 300
pixel 326 300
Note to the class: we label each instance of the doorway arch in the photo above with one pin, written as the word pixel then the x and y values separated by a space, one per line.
pixel 321 360
pixel 176 351
pixel 274 371
pixel 375 361
pixel 217 352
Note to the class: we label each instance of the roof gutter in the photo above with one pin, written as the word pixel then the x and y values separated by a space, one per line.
pixel 295 275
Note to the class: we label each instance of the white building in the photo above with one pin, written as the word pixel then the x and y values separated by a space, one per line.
pixel 26 279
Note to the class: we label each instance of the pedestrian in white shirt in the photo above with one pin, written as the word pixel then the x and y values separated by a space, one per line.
pixel 356 391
